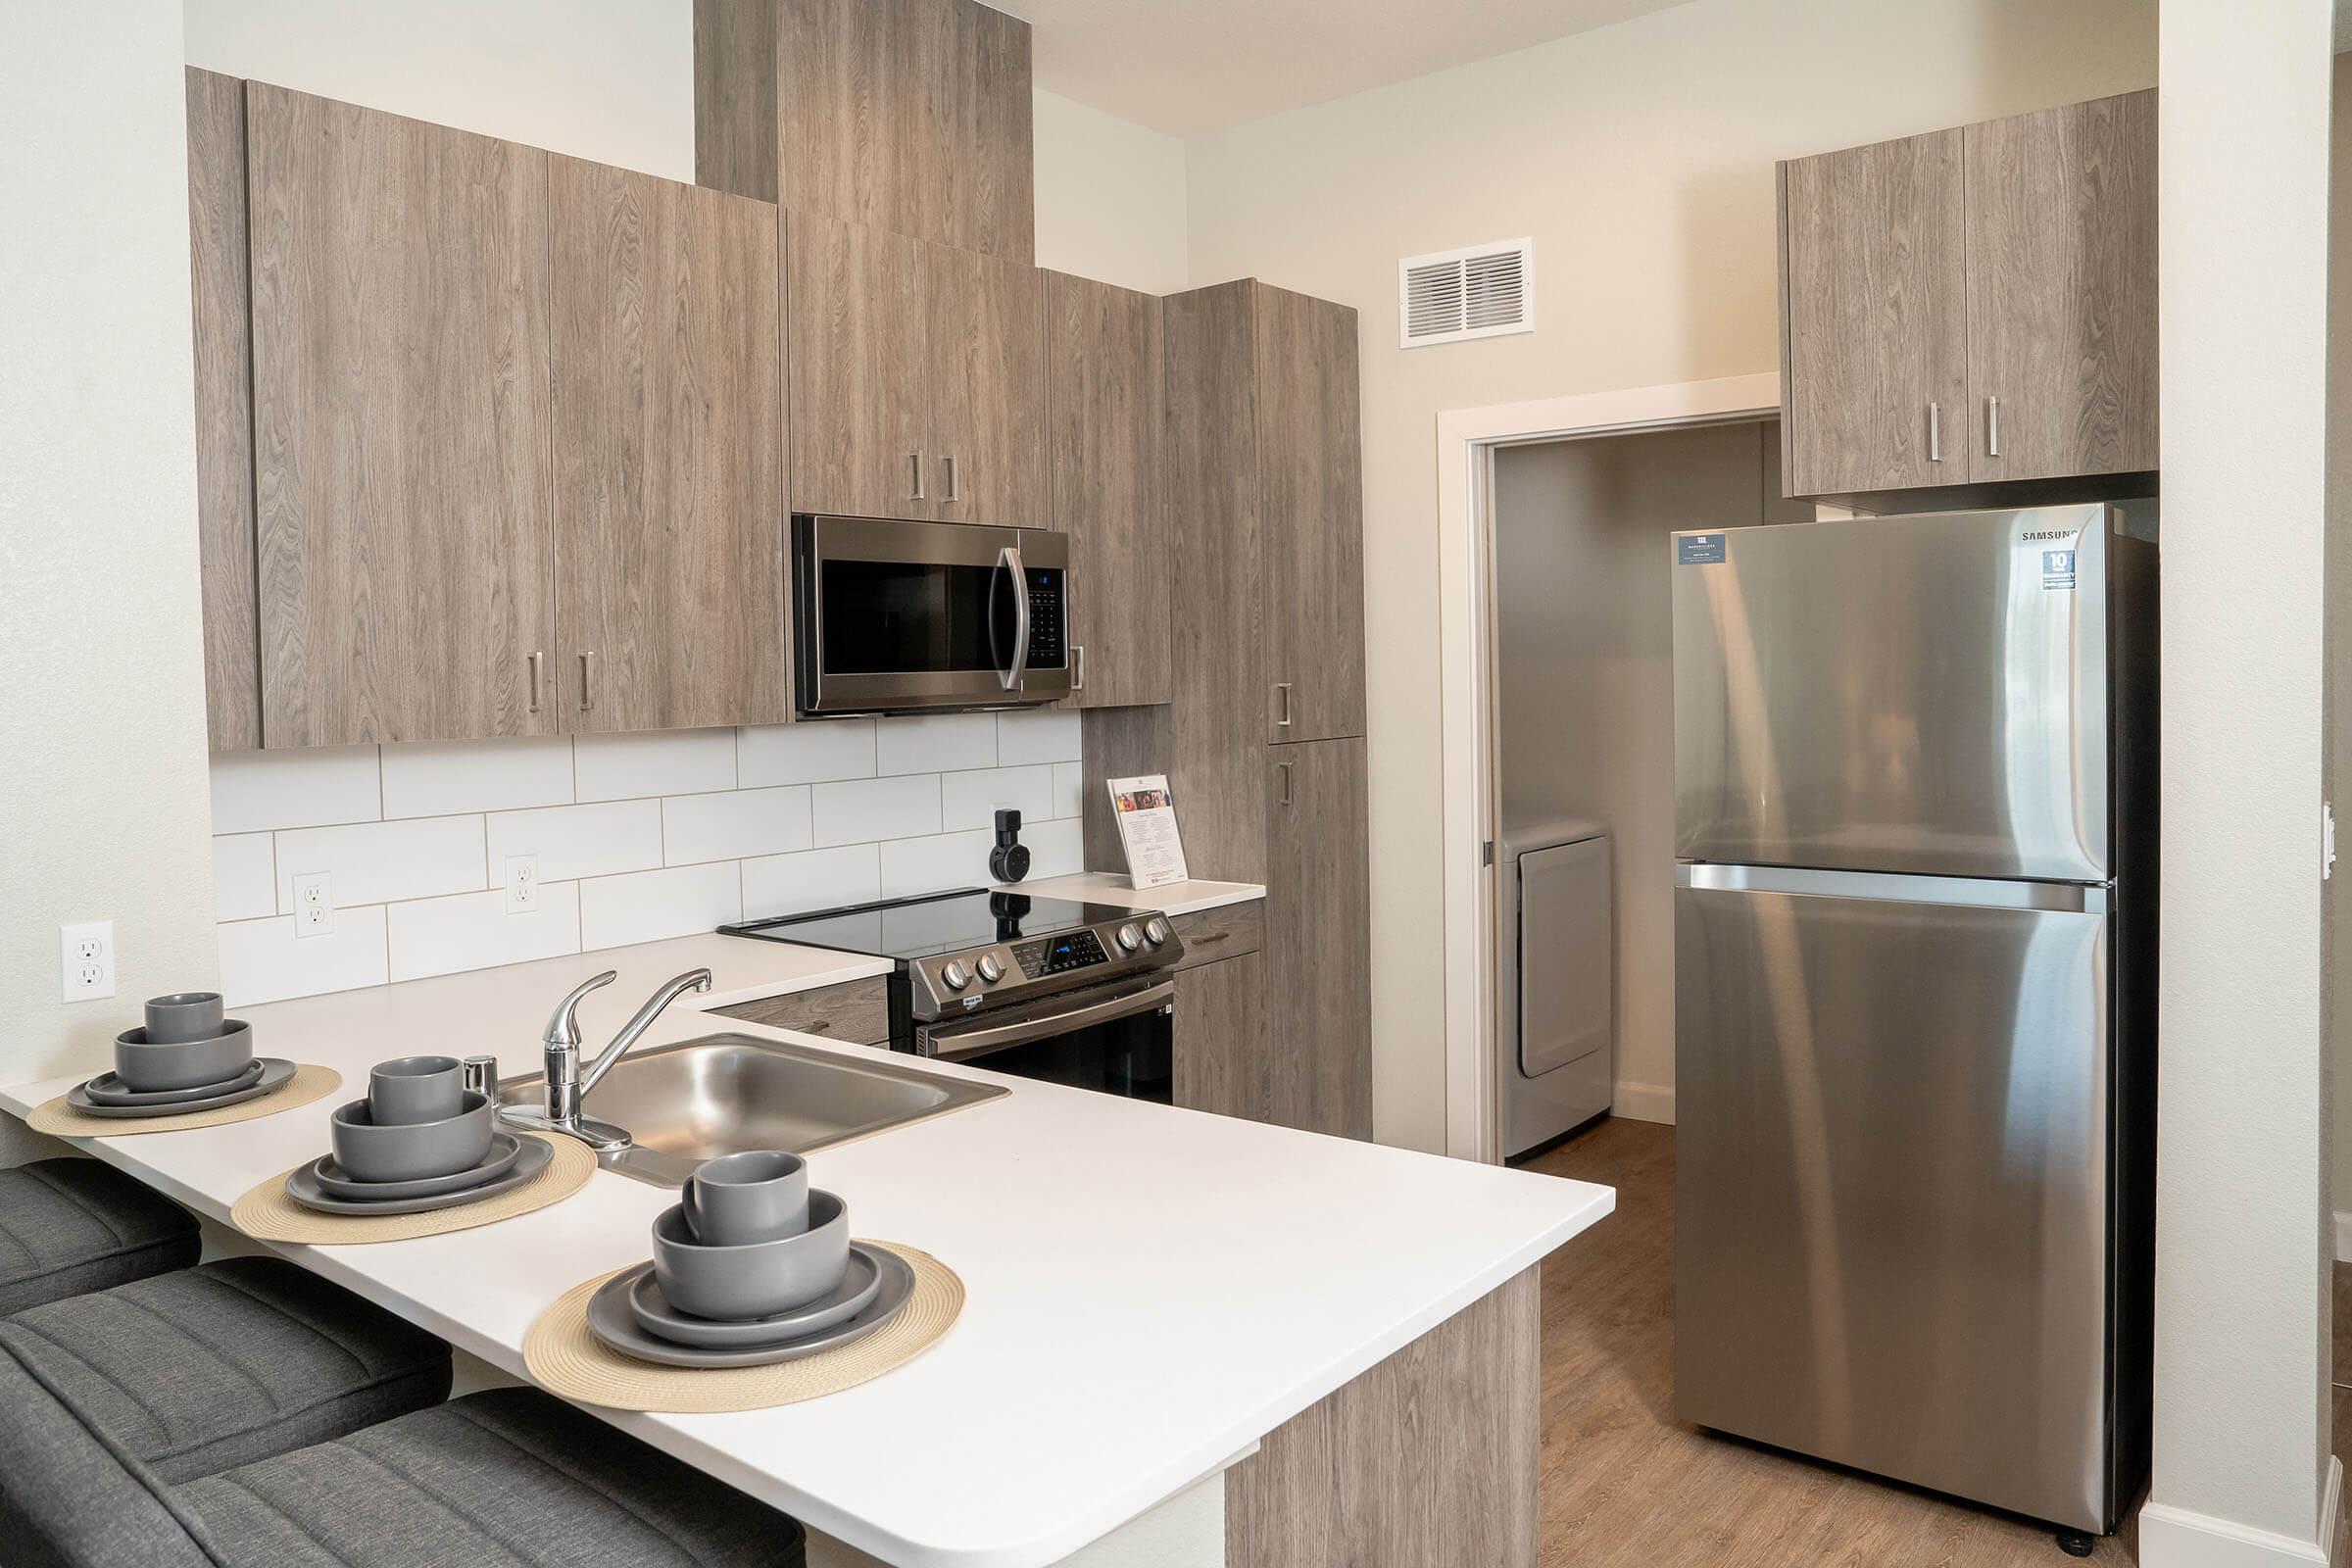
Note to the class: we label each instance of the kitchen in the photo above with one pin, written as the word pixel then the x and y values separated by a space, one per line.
pixel 648 804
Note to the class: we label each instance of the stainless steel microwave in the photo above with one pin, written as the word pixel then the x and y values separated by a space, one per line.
pixel 915 618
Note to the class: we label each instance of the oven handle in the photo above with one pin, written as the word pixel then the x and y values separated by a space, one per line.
pixel 1009 560
pixel 964 1044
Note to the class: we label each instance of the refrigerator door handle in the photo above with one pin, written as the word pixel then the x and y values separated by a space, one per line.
pixel 2066 898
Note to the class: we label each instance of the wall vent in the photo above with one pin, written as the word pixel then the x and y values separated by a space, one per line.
pixel 1477 292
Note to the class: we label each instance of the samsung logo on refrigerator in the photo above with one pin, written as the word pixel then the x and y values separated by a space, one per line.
pixel 2051 533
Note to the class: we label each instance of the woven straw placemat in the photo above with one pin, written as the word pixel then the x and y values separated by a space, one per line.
pixel 266 1214
pixel 61 1120
pixel 566 1360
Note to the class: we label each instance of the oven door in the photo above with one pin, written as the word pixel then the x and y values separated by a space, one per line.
pixel 1119 1039
pixel 925 617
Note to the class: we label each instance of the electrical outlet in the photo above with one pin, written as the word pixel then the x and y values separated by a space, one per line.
pixel 86 960
pixel 521 883
pixel 314 905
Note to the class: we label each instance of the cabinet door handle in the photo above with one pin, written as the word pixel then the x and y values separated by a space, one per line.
pixel 1078 666
pixel 1935 432
pixel 1282 704
pixel 538 664
pixel 587 679
pixel 1284 769
pixel 955 483
pixel 915 465
pixel 1992 427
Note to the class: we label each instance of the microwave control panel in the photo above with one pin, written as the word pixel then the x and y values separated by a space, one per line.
pixel 1044 617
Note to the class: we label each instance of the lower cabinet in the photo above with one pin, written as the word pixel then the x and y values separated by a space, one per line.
pixel 1318 935
pixel 1221 1060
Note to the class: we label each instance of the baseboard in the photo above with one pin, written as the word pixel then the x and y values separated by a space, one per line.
pixel 1642 1103
pixel 2343 1237
pixel 2177 1538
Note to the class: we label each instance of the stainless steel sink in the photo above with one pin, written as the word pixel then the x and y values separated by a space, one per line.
pixel 685 1103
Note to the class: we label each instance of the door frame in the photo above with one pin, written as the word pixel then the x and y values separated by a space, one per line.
pixel 1467 441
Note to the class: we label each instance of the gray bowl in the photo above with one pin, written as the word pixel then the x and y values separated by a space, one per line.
pixel 147 1065
pixel 757 1279
pixel 410 1152
pixel 407 1090
pixel 183 1016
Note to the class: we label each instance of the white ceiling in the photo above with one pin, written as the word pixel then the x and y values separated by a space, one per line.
pixel 1188 66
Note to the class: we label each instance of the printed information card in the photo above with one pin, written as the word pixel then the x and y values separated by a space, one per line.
pixel 1147 816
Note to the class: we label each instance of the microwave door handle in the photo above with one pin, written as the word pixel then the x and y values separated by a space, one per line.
pixel 1009 560
pixel 965 1043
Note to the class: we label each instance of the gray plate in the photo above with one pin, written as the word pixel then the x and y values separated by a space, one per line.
pixel 859 1283
pixel 303 1187
pixel 611 1320
pixel 107 1089
pixel 505 1150
pixel 276 1071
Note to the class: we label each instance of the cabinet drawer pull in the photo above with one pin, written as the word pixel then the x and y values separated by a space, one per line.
pixel 1284 769
pixel 1935 432
pixel 1992 427
pixel 955 483
pixel 1078 666
pixel 538 664
pixel 587 680
pixel 915 465
pixel 1282 704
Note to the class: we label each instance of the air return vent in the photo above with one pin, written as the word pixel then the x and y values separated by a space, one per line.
pixel 1478 291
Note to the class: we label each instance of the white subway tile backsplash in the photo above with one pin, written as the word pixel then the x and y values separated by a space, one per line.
pixel 244 876
pixel 873 809
pixel 670 761
pixel 1069 789
pixel 942 861
pixel 377 863
pixel 1042 735
pixel 971 800
pixel 263 960
pixel 1057 848
pixel 815 879
pixel 445 778
pixel 577 841
pixel 476 930
pixel 307 788
pixel 933 743
pixel 649 905
pixel 735 824
pixel 805 753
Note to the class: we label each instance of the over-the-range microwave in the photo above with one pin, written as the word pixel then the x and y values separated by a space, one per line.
pixel 923 617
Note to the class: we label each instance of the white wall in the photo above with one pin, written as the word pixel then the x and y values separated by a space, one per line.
pixel 1110 198
pixel 2241 1439
pixel 2337 932
pixel 1640 158
pixel 102 800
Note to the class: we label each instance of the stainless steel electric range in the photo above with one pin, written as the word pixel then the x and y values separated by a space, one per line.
pixel 1076 994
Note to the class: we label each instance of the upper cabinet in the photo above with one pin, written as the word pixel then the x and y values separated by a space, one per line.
pixel 1310 507
pixel 1107 399
pixel 669 476
pixel 402 433
pixel 918 378
pixel 1973 306
pixel 908 116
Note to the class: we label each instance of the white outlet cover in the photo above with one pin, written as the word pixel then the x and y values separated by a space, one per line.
pixel 520 878
pixel 314 905
pixel 85 958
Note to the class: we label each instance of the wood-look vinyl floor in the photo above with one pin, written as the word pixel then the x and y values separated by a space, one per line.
pixel 1627 1485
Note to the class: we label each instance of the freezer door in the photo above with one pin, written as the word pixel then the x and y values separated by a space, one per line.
pixel 1890 1202
pixel 1901 694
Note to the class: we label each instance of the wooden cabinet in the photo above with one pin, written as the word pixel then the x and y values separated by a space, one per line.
pixel 1973 306
pixel 1310 507
pixel 1105 401
pixel 918 378
pixel 669 474
pixel 1318 937
pixel 401 432
pixel 908 116
pixel 1222 1065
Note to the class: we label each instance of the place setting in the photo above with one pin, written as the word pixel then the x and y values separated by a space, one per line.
pixel 186 1066
pixel 421 1154
pixel 755 1295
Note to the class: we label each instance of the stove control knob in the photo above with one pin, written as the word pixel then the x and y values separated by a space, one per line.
pixel 954 976
pixel 1131 937
pixel 991 971
pixel 1156 931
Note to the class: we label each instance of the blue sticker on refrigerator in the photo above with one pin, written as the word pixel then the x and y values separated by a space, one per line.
pixel 2058 571
pixel 1698 549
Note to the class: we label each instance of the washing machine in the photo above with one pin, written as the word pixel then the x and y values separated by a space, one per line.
pixel 1555 982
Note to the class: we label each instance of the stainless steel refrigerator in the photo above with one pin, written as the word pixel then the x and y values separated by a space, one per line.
pixel 1914 991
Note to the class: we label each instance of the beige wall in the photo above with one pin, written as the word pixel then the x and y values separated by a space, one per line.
pixel 2339 901
pixel 102 798
pixel 1109 198
pixel 1640 158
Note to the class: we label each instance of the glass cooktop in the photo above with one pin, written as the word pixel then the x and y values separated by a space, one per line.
pixel 939 922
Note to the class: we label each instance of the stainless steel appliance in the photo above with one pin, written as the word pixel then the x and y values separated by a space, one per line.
pixel 1556 960
pixel 1914 981
pixel 1075 994
pixel 901 618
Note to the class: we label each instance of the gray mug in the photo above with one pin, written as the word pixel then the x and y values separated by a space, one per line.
pixel 760 1195
pixel 414 1089
pixel 183 1016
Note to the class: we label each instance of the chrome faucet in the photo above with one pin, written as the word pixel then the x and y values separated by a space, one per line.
pixel 568 1083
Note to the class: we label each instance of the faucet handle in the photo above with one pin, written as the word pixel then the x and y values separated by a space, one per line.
pixel 562 1029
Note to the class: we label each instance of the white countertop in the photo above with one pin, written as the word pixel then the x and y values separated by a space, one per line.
pixel 1114 888
pixel 1149 1291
